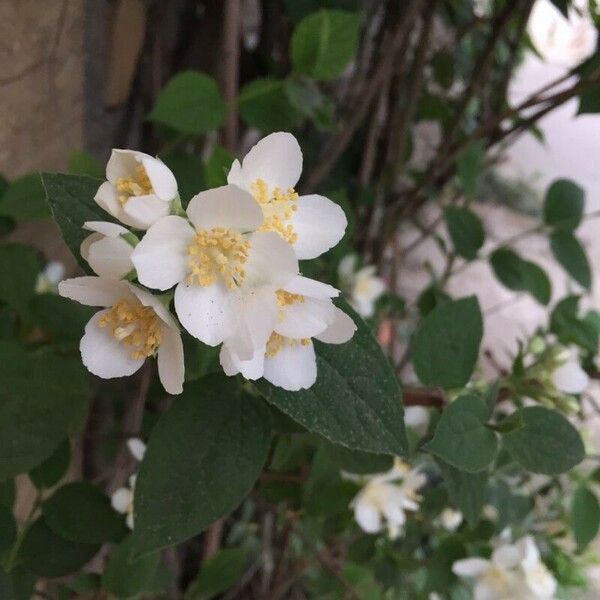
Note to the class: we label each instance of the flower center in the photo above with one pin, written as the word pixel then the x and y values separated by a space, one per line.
pixel 277 342
pixel 135 325
pixel 217 252
pixel 138 184
pixel 278 207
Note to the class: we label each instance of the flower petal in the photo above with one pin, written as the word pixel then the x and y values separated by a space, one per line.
pixel 105 228
pixel 226 206
pixel 470 567
pixel 276 159
pixel 171 370
pixel 251 369
pixel 84 247
pixel 367 515
pixel 340 331
pixel 136 448
pixel 311 287
pixel 121 499
pixel 108 198
pixel 507 557
pixel 162 179
pixel 570 378
pixel 110 257
pixel 271 261
pixel 320 225
pixel 205 312
pixel 293 368
pixel 305 319
pixel 148 299
pixel 103 355
pixel 235 174
pixel 122 163
pixel 143 211
pixel 160 258
pixel 94 291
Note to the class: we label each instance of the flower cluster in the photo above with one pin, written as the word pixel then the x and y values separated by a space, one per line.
pixel 229 264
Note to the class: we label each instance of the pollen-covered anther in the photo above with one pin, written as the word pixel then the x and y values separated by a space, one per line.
pixel 277 342
pixel 138 184
pixel 285 298
pixel 217 252
pixel 278 207
pixel 134 325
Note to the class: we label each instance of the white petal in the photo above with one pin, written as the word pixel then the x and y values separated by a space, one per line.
pixel 94 291
pixel 103 354
pixel 205 312
pixel 251 369
pixel 293 368
pixel 110 257
pixel 121 499
pixel 570 378
pixel 271 261
pixel 171 369
pixel 235 174
pixel 347 266
pixel 160 258
pixel 416 417
pixel 105 228
pixel 470 567
pixel 162 180
pixel 276 159
pixel 340 331
pixel 541 582
pixel 507 557
pixel 143 211
pixel 367 516
pixel 84 247
pixel 122 163
pixel 129 520
pixel 311 287
pixel 305 319
pixel 136 448
pixel 148 299
pixel 226 206
pixel 320 225
pixel 108 198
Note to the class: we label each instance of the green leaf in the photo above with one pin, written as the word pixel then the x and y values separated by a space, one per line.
pixel 564 203
pixel 547 443
pixel 570 254
pixel 467 491
pixel 264 104
pixel 563 6
pixel 19 268
pixel 188 171
pixel 83 163
pixel 324 42
pixel 8 493
pixel 589 101
pixel 218 574
pixel 466 231
pixel 8 528
pixel 42 399
pixel 50 555
pixel 17 585
pixel 24 200
pixel 127 576
pixel 298 9
pixel 71 200
pixel 64 318
pixel 217 167
pixel 51 471
pixel 203 457
pixel 461 438
pixel 356 400
pixel 470 167
pixel 521 275
pixel 585 516
pixel 355 461
pixel 446 345
pixel 190 103
pixel 570 329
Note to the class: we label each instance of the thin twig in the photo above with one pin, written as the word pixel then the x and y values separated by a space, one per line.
pixel 231 66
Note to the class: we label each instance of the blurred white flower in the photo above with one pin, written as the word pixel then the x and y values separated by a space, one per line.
pixel 288 360
pixel 48 280
pixel 450 519
pixel 482 8
pixel 311 224
pixel 133 326
pixel 122 499
pixel 139 189
pixel 362 287
pixel 514 571
pixel 561 41
pixel 569 377
pixel 136 448
pixel 107 250
pixel 417 418
pixel 386 497
pixel 225 271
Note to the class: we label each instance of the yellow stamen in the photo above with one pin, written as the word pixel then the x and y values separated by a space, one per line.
pixel 138 184
pixel 135 325
pixel 277 342
pixel 286 298
pixel 278 207
pixel 217 251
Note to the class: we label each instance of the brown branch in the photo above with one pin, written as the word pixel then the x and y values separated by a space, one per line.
pixel 414 396
pixel 212 539
pixel 231 67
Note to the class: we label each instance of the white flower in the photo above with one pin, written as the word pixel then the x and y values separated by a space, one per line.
pixel 514 571
pixel 288 359
pixel 122 499
pixel 107 250
pixel 139 190
pixel 450 519
pixel 312 224
pixel 417 418
pixel 363 287
pixel 136 448
pixel 569 377
pixel 386 497
pixel 561 41
pixel 49 278
pixel 133 326
pixel 226 273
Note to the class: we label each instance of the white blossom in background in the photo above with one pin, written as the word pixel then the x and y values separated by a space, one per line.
pixel 385 498
pixel 483 8
pixel 569 377
pixel 514 571
pixel 48 280
pixel 133 326
pixel 139 190
pixel 417 418
pixel 561 41
pixel 288 359
pixel 107 250
pixel 450 519
pixel 226 272
pixel 312 224
pixel 362 287
pixel 122 499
